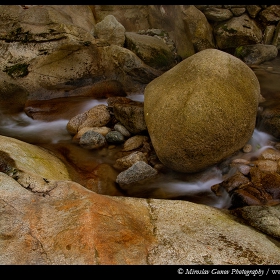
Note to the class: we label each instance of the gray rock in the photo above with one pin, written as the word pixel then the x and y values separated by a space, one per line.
pixel 253 10
pixel 218 14
pixel 276 38
pixel 110 30
pixel 114 137
pixel 238 11
pixel 92 140
pixel 139 172
pixel 120 128
pixel 264 218
pixel 256 54
pixel 153 51
pixel 102 130
pixel 236 32
pixel 127 161
pixel 131 115
pixel 270 14
pixel 200 29
pixel 268 34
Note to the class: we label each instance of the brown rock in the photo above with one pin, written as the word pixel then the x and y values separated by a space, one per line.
pixel 193 124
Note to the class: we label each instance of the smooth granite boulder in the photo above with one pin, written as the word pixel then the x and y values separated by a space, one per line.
pixel 202 110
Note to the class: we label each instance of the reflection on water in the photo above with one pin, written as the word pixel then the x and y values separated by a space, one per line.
pixel 172 185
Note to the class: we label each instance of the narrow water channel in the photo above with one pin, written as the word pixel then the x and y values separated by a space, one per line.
pixel 170 185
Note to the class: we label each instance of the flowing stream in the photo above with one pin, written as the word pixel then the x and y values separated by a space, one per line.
pixel 170 185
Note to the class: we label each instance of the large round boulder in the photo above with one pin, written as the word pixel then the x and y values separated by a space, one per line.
pixel 202 110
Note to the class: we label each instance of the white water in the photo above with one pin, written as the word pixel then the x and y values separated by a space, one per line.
pixel 22 127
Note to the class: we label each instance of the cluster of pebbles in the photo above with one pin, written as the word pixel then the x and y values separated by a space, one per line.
pixel 120 123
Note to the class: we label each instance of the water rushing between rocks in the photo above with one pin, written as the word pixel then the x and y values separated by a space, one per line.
pixel 170 185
